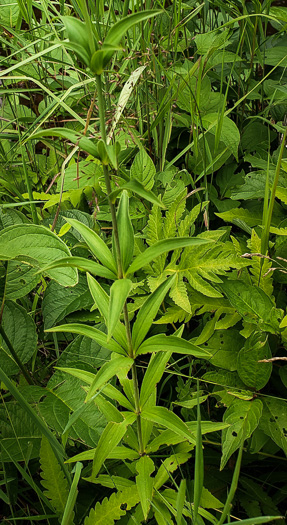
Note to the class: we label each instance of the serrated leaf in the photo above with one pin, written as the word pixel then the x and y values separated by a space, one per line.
pixel 259 267
pixel 202 264
pixel 145 467
pixel 20 329
pixel 179 295
pixel 119 293
pixel 243 417
pixel 143 169
pixel 111 510
pixel 37 246
pixel 53 478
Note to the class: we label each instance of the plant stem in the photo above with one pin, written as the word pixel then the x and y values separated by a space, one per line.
pixel 102 112
pixel 15 356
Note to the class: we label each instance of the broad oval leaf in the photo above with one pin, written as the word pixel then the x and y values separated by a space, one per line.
pixel 36 245
pixel 120 290
pixel 253 373
pixel 162 343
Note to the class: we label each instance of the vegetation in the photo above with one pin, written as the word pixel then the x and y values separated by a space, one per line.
pixel 143 262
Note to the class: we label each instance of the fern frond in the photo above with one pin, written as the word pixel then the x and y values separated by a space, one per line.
pixel 153 230
pixel 110 510
pixel 179 295
pixel 205 263
pixel 53 478
pixel 174 314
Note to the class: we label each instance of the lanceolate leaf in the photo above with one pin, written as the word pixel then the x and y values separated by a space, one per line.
pixel 148 312
pixel 120 290
pixel 97 246
pixel 86 265
pixel 125 230
pixel 162 343
pixel 107 371
pixel 160 247
pixel 109 439
pixel 101 299
pixel 153 375
pixel 162 416
pixel 38 246
pixel 92 332
pixel 139 189
pixel 83 142
pixel 145 467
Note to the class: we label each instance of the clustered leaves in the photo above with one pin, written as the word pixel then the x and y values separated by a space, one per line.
pixel 143 262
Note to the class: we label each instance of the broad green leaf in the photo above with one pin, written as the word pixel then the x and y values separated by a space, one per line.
pixel 229 132
pixel 58 301
pixel 148 312
pixel 253 304
pixel 97 246
pixel 21 279
pixel 162 416
pixel 125 231
pixel 101 299
pixel 253 373
pixel 163 246
pixel 37 246
pixel 20 329
pixel 53 478
pixel 119 293
pixel 243 417
pixel 92 332
pixel 9 13
pixel 145 467
pixel 20 435
pixel 161 343
pixel 224 346
pixel 143 169
pixel 153 375
pixel 86 265
pixel 109 439
pixel 107 371
pixel 111 510
pixel 138 188
pixel 180 501
pixel 76 138
pixel 101 57
pixel 112 482
pixel 273 421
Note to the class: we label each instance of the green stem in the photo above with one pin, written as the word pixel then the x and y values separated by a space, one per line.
pixel 102 113
pixel 15 356
pixel 137 407
pixel 29 190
